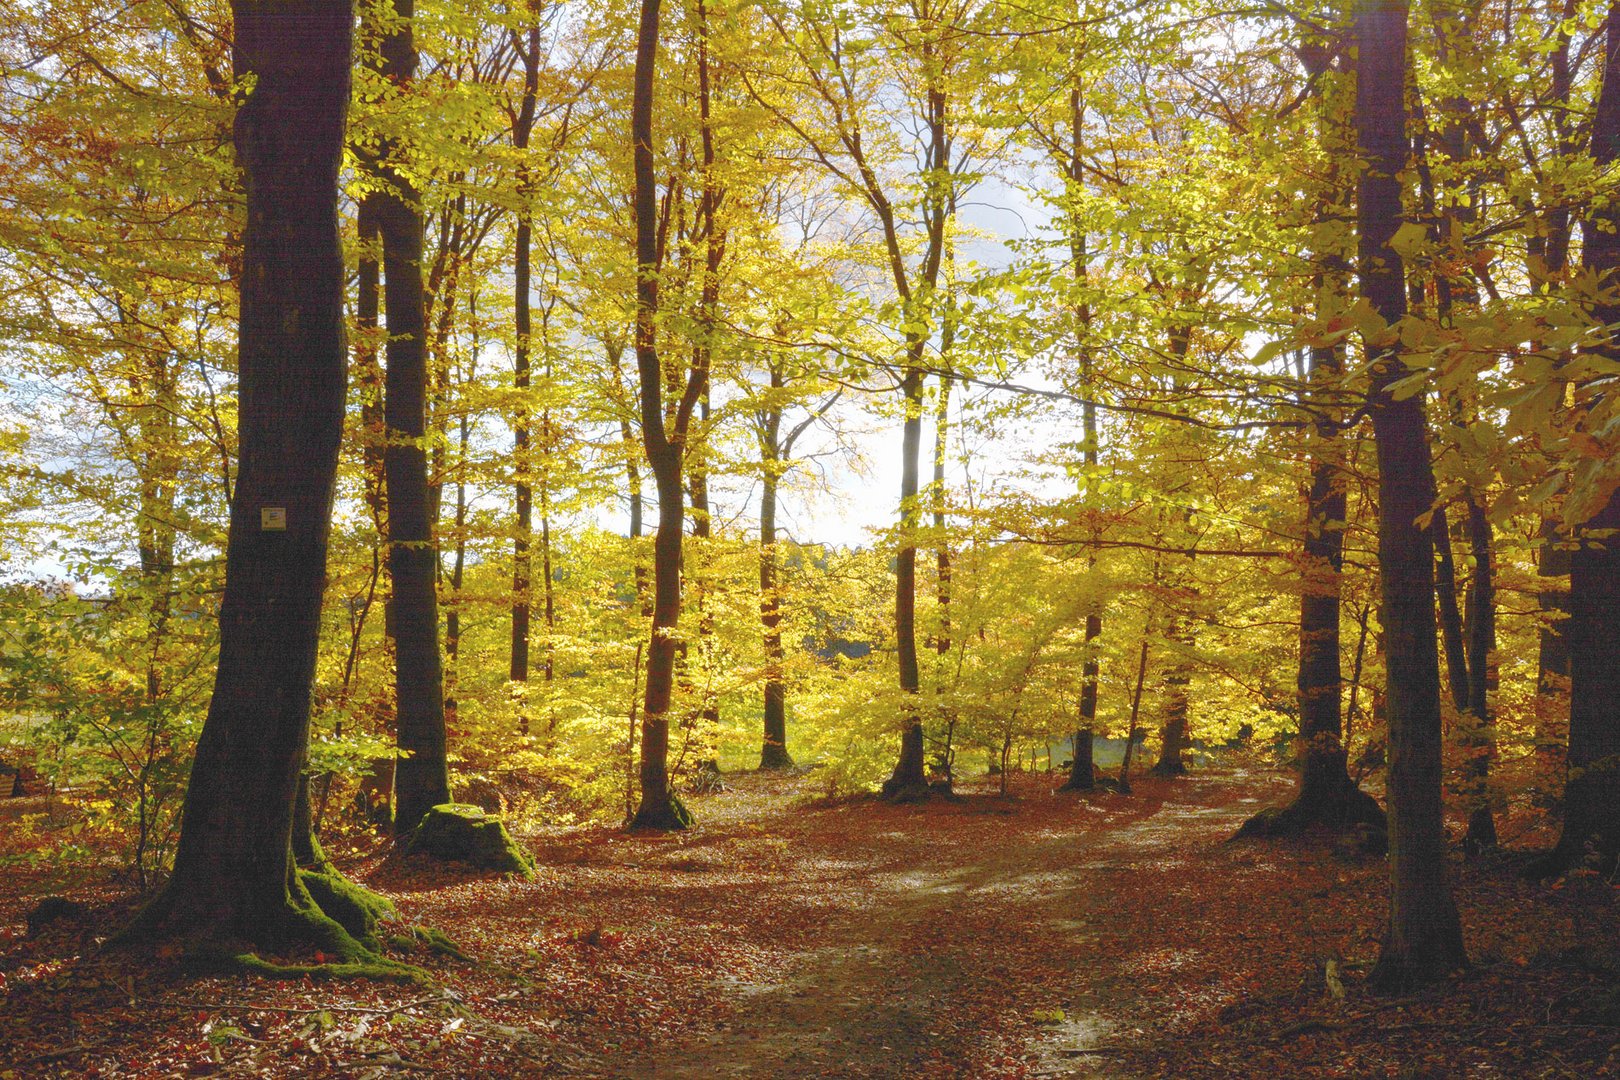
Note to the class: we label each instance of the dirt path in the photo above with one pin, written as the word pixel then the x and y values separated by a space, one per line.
pixel 973 940
pixel 984 939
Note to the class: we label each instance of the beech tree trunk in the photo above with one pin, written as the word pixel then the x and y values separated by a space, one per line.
pixel 1481 626
pixel 421 777
pixel 1327 796
pixel 659 808
pixel 523 327
pixel 1592 793
pixel 1548 256
pixel 1451 621
pixel 234 881
pixel 1082 771
pixel 1173 733
pixel 773 752
pixel 1423 941
pixel 909 780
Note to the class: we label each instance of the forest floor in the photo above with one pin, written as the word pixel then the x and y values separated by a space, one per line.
pixel 1027 935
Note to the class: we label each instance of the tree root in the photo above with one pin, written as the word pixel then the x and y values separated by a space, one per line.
pixel 666 816
pixel 1343 810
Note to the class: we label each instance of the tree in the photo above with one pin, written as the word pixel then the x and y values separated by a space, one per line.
pixel 1592 793
pixel 1423 941
pixel 665 447
pixel 421 777
pixel 1327 796
pixel 234 878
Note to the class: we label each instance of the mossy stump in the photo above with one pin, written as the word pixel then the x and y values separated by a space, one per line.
pixel 458 832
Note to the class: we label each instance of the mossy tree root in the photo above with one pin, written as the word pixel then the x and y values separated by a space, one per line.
pixel 319 911
pixel 434 941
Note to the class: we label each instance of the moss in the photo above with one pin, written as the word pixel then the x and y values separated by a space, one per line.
pixel 353 907
pixel 463 833
pixel 434 941
pixel 375 968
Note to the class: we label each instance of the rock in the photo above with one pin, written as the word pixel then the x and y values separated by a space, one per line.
pixel 463 833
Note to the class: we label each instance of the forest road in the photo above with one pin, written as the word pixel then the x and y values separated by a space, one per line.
pixel 969 939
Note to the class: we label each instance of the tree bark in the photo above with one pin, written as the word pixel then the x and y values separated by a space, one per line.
pixel 773 752
pixel 523 525
pixel 421 777
pixel 1481 835
pixel 234 879
pixel 659 807
pixel 1423 941
pixel 1327 796
pixel 909 780
pixel 1451 621
pixel 1592 792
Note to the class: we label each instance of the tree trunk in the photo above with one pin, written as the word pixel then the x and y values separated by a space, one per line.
pixel 1592 794
pixel 1423 941
pixel 1327 796
pixel 1082 773
pixel 421 777
pixel 659 808
pixel 909 780
pixel 1173 735
pixel 522 525
pixel 1136 715
pixel 1451 622
pixel 1481 622
pixel 234 879
pixel 773 753
pixel 1548 258
pixel 1552 660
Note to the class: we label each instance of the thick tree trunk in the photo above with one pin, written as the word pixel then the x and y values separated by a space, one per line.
pixel 421 777
pixel 1423 941
pixel 1592 632
pixel 234 881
